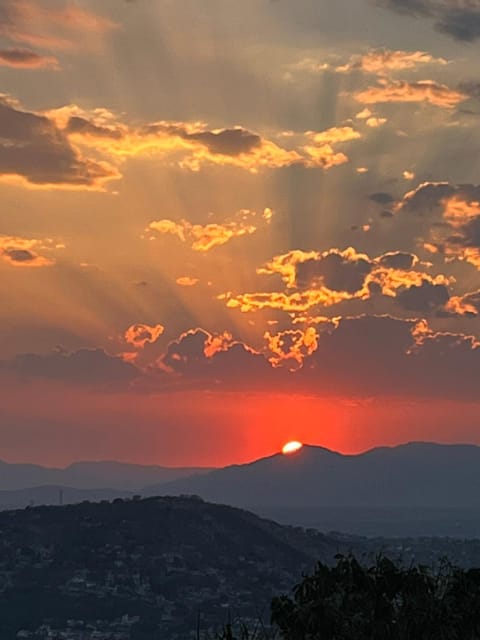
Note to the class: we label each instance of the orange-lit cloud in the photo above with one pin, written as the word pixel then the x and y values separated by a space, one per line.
pixel 466 305
pixel 454 213
pixel 328 278
pixel 138 335
pixel 35 153
pixel 288 302
pixel 205 237
pixel 22 252
pixel 186 281
pixel 290 347
pixel 192 145
pixel 381 61
pixel 429 91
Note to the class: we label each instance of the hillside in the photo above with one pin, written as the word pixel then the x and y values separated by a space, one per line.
pixel 163 559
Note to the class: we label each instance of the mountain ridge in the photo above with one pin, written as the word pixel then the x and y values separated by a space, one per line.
pixel 411 474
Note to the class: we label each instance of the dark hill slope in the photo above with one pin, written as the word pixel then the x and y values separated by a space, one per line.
pixel 164 559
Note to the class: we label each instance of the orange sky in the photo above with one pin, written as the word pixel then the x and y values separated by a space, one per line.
pixel 226 225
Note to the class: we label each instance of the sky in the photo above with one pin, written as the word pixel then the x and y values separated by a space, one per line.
pixel 225 225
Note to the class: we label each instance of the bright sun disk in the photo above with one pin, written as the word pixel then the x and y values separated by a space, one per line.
pixel 291 447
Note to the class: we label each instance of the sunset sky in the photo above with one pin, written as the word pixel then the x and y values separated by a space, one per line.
pixel 225 224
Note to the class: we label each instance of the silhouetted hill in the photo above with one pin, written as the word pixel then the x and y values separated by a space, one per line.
pixel 412 475
pixel 163 559
pixel 90 475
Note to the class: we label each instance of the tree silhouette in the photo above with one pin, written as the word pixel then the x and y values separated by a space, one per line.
pixel 381 602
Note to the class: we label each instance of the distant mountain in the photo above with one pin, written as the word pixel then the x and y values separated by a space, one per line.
pixel 417 474
pixel 90 475
pixel 56 495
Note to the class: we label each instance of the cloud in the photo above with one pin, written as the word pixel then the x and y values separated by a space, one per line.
pixel 320 149
pixel 392 357
pixel 315 279
pixel 290 348
pixel 26 59
pixel 84 127
pixel 423 297
pixel 466 305
pixel 384 61
pixel 398 260
pixel 50 26
pixel 454 211
pixel 187 281
pixel 33 151
pixel 22 252
pixel 337 270
pixel 428 91
pixel 85 366
pixel 138 335
pixel 205 237
pixel 459 19
pixel 215 360
pixel 297 302
pixel 191 145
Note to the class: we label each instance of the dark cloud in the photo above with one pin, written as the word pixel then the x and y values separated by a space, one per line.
pixel 380 355
pixel 457 18
pixel 76 124
pixel 85 366
pixel 198 354
pixel 398 260
pixel 382 198
pixel 462 24
pixel 363 355
pixel 336 271
pixel 470 88
pixel 19 255
pixel 26 59
pixel 230 142
pixel 372 355
pixel 33 148
pixel 425 297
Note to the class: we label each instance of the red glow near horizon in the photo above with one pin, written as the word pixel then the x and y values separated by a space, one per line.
pixel 205 429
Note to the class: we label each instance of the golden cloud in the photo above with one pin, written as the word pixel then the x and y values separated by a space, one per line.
pixel 205 237
pixel 187 281
pixel 429 91
pixel 22 252
pixel 192 144
pixel 327 278
pixel 381 61
pixel 290 303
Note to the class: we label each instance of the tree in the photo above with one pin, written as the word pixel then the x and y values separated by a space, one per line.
pixel 381 602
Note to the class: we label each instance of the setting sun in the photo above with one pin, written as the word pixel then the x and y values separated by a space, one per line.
pixel 291 447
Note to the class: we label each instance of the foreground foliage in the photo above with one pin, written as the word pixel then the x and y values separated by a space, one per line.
pixel 381 602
